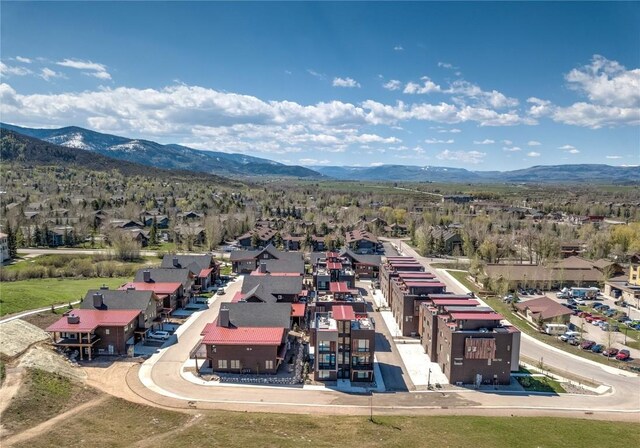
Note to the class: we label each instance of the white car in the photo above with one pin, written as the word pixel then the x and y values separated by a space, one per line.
pixel 568 335
pixel 163 335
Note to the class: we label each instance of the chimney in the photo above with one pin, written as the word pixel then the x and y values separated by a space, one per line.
pixel 104 288
pixel 73 319
pixel 98 300
pixel 175 262
pixel 146 276
pixel 223 317
pixel 263 268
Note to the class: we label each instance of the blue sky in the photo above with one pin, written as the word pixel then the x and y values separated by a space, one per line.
pixel 484 86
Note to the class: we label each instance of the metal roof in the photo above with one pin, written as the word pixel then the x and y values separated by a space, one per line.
pixel 92 319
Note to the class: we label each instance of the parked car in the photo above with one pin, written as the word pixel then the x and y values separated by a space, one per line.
pixel 221 291
pixel 569 335
pixel 584 314
pixel 597 348
pixel 573 341
pixel 159 334
pixel 593 319
pixel 580 301
pixel 608 327
pixel 595 306
pixel 623 355
pixel 586 345
pixel 610 352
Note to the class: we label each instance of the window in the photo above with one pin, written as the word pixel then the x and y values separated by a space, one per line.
pixel 106 331
pixel 222 363
pixel 324 346
pixel 324 374
pixel 235 364
pixel 363 345
pixel 457 361
pixel 268 364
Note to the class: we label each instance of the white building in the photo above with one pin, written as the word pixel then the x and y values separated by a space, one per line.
pixel 4 247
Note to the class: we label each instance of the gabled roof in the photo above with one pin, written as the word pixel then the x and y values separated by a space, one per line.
pixel 195 263
pixel 165 275
pixel 360 235
pixel 372 260
pixel 92 319
pixel 158 288
pixel 246 314
pixel 119 299
pixel 272 284
pixel 215 335
pixel 298 309
pixel 544 307
pixel 338 287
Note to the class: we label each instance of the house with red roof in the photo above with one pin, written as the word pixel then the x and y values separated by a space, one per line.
pixel 96 332
pixel 171 293
pixel 249 337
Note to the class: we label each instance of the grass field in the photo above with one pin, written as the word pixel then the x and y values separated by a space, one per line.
pixel 42 396
pixel 120 424
pixel 522 325
pixel 38 293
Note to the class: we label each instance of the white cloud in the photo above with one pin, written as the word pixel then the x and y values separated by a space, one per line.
pixel 483 98
pixel 574 151
pixel 427 86
pixel 392 84
pixel 566 147
pixel 313 162
pixel 316 74
pixel 23 60
pixel 533 154
pixel 47 74
pixel 398 48
pixel 613 90
pixel 345 82
pixel 376 164
pixel 533 143
pixel 434 141
pixel 7 70
pixel 486 141
pixel 89 68
pixel 447 65
pixel 614 157
pixel 512 148
pixel 507 142
pixel 450 131
pixel 606 82
pixel 471 157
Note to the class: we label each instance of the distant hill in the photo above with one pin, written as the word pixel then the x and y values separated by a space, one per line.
pixel 536 174
pixel 29 151
pixel 154 154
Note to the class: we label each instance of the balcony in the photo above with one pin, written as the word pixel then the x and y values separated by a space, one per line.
pixel 362 366
pixel 325 366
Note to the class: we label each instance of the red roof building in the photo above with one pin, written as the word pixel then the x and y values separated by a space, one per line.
pixel 343 312
pixel 298 309
pixel 215 335
pixel 91 332
pixel 339 287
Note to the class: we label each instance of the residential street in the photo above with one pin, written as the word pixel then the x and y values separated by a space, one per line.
pixel 159 380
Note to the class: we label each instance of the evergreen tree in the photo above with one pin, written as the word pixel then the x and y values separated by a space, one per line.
pixel 11 242
pixel 153 233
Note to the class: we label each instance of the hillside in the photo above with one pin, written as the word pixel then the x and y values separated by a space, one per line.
pixel 154 154
pixel 536 174
pixel 29 151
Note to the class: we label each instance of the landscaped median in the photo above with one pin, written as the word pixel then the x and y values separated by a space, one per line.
pixel 524 326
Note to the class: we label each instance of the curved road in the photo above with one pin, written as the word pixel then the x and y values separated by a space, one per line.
pixel 160 381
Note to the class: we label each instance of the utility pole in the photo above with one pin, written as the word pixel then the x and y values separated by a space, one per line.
pixel 429 379
pixel 371 406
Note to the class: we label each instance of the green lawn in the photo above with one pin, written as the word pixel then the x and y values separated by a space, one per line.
pixel 120 424
pixel 38 293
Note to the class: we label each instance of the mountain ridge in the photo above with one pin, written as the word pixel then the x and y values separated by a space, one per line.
pixel 171 156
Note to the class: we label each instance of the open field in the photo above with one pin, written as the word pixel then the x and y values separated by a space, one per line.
pixel 117 423
pixel 42 396
pixel 38 293
pixel 525 327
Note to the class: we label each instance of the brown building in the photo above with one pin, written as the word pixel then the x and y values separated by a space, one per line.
pixel 344 345
pixel 269 259
pixel 171 293
pixel 96 332
pixel 408 290
pixel 204 269
pixel 544 310
pixel 390 269
pixel 248 337
pixel 469 343
pixel 331 267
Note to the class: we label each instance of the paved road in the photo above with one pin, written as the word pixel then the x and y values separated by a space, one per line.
pixel 626 389
pixel 159 380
